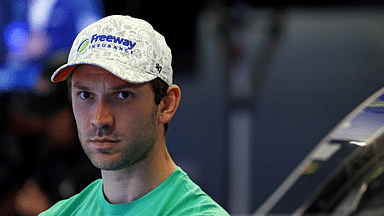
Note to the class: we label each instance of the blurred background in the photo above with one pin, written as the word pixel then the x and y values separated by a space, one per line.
pixel 262 83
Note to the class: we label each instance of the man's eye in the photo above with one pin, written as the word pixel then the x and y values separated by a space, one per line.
pixel 85 95
pixel 124 95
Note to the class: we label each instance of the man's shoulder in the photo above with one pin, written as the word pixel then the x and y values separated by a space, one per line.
pixel 201 205
pixel 192 200
pixel 75 202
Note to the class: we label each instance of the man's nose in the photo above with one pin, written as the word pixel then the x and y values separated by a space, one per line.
pixel 102 116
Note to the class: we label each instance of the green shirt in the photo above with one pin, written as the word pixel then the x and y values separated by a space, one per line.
pixel 177 195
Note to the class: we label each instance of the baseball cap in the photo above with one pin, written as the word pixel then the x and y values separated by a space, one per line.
pixel 125 46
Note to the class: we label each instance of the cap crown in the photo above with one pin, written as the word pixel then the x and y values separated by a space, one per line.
pixel 128 47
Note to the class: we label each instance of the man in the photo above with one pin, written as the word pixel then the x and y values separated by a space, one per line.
pixel 119 76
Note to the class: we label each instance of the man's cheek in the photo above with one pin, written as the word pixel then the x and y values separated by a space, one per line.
pixel 79 118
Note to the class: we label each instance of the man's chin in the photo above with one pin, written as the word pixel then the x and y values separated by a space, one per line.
pixel 106 162
pixel 108 167
pixel 102 164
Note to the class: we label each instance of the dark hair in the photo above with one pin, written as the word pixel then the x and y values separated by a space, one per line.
pixel 158 86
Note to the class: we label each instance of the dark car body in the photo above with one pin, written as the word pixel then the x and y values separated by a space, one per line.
pixel 343 174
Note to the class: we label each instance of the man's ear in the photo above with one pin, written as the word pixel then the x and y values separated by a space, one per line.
pixel 169 104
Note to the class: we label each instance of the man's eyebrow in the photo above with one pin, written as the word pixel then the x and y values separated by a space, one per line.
pixel 77 85
pixel 118 87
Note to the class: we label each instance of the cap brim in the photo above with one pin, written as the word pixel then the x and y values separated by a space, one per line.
pixel 62 73
pixel 66 70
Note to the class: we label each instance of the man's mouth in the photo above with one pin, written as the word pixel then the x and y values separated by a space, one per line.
pixel 103 143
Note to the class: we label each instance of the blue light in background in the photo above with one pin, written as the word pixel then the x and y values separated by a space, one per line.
pixel 22 78
pixel 31 34
pixel 16 35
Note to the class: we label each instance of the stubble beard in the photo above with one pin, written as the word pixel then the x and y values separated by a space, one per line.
pixel 139 146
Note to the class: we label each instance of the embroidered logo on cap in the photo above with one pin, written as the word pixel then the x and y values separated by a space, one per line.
pixel 158 67
pixel 83 45
pixel 107 41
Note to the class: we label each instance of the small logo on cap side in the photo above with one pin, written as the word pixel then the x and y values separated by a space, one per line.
pixel 158 67
pixel 83 45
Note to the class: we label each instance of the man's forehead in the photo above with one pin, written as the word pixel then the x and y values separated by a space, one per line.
pixel 96 76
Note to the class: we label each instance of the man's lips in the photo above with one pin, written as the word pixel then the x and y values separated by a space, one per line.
pixel 103 143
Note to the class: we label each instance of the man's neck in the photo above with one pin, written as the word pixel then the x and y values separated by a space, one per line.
pixel 129 184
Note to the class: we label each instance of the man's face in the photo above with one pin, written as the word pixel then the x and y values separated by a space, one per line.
pixel 117 121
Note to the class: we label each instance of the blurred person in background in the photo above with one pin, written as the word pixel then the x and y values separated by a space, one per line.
pixel 35 30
